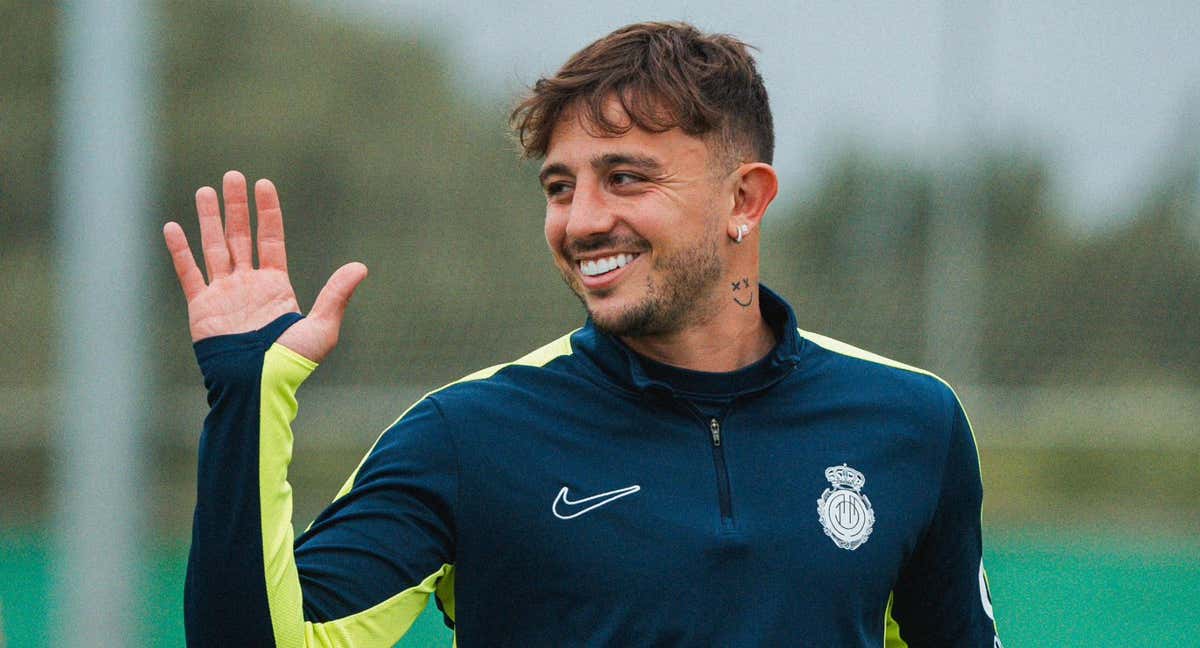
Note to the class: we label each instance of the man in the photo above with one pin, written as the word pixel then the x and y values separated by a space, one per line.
pixel 686 469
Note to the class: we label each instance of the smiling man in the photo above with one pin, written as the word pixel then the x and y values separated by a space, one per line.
pixel 688 468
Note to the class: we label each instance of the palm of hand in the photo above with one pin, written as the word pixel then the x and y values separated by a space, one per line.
pixel 238 297
pixel 241 301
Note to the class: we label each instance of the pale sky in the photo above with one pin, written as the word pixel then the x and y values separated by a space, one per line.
pixel 1098 88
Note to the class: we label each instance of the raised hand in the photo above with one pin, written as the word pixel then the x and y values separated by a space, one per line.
pixel 239 297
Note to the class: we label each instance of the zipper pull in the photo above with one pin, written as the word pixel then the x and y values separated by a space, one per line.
pixel 715 428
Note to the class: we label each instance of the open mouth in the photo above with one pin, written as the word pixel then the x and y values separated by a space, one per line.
pixel 604 265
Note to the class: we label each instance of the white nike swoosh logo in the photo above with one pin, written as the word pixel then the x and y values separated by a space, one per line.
pixel 595 501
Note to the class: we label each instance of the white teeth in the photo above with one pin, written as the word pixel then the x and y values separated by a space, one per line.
pixel 595 267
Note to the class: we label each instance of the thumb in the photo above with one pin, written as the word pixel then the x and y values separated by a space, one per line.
pixel 332 300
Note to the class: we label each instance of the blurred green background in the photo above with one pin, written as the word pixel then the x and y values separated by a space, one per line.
pixel 1084 384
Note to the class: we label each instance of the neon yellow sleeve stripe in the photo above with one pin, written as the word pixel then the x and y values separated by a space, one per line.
pixel 283 372
pixel 445 594
pixel 380 625
pixel 536 358
pixel 837 346
pixel 891 629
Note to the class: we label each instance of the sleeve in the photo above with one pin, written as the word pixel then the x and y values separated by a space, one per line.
pixel 364 570
pixel 941 596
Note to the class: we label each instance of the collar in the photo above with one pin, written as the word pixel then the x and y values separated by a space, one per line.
pixel 635 372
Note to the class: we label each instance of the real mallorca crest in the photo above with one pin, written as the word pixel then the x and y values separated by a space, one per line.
pixel 845 512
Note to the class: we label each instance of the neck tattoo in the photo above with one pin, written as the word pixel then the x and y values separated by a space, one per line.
pixel 743 294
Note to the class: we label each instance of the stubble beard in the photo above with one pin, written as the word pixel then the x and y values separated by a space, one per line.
pixel 680 298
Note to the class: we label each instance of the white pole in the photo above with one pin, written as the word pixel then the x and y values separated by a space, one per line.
pixel 1191 162
pixel 956 264
pixel 105 152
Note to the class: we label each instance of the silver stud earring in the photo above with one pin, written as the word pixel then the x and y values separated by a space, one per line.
pixel 743 230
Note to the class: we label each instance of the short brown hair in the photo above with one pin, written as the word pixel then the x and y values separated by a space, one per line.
pixel 665 75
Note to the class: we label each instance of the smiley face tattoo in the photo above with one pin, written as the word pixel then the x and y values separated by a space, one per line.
pixel 742 294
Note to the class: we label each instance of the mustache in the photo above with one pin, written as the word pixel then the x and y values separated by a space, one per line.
pixel 576 247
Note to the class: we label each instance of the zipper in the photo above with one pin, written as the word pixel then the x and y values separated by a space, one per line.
pixel 725 502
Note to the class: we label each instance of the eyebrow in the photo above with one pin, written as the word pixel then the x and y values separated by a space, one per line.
pixel 605 161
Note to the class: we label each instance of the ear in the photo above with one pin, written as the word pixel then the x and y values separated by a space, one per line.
pixel 756 185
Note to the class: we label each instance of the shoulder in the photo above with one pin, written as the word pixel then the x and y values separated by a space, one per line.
pixel 878 377
pixel 526 372
pixel 856 354
pixel 475 396
pixel 537 358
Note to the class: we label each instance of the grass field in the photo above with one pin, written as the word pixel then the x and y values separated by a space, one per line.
pixel 1050 589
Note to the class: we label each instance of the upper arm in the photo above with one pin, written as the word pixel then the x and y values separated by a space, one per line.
pixel 941 597
pixel 371 559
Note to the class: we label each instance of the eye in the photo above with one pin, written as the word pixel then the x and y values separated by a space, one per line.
pixel 623 179
pixel 556 189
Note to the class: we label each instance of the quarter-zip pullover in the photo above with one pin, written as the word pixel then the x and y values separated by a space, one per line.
pixel 584 495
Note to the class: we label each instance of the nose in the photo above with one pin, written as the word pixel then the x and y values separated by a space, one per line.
pixel 590 213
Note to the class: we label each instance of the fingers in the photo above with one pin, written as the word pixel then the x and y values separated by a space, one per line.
pixel 189 275
pixel 332 300
pixel 271 250
pixel 237 219
pixel 212 238
pixel 230 247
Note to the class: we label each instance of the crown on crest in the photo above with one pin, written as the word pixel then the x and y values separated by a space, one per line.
pixel 844 475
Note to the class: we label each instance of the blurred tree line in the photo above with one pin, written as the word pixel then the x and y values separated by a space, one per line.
pixel 381 157
pixel 1117 307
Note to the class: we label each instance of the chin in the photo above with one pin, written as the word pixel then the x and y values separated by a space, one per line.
pixel 637 319
pixel 660 306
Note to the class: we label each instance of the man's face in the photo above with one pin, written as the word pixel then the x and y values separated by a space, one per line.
pixel 635 224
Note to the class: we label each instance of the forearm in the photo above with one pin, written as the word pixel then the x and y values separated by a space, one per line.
pixel 345 583
pixel 241 535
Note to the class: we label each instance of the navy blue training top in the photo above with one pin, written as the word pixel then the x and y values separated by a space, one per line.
pixel 584 495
